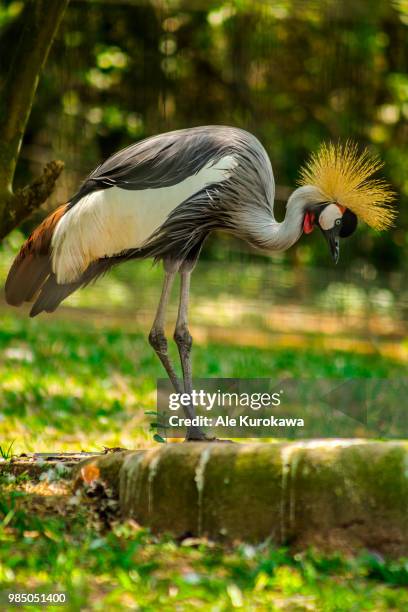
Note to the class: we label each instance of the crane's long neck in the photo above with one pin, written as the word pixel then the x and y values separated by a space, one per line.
pixel 273 235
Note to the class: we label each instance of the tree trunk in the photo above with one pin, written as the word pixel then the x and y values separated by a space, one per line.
pixel 40 20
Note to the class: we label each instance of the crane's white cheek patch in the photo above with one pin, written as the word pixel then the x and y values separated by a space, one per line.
pixel 328 217
pixel 107 222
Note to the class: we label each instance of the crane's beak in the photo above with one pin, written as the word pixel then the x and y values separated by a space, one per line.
pixel 332 237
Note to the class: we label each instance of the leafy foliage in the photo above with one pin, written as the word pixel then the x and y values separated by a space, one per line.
pixel 5 451
pixel 71 385
pixel 294 75
pixel 60 548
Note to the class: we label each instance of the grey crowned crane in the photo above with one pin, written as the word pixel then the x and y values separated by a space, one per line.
pixel 161 198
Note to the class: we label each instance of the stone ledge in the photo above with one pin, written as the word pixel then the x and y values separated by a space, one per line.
pixel 333 494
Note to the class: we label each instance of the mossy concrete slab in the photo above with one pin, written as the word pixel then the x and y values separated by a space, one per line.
pixel 335 494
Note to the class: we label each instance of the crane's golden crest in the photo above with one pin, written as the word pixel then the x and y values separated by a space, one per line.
pixel 342 174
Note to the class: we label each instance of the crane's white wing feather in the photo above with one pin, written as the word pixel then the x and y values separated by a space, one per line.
pixel 110 221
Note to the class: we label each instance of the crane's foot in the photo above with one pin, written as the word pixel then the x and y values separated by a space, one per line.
pixel 206 438
pixel 196 434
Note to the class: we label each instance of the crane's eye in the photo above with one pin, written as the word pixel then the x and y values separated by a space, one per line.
pixel 338 222
pixel 349 224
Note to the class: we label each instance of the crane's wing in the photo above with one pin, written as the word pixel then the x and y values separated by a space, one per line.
pixel 131 195
pixel 161 161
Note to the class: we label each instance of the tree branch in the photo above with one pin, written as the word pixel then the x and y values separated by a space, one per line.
pixel 40 20
pixel 18 206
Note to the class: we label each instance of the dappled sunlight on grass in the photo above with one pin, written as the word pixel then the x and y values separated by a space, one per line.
pixel 54 540
pixel 81 385
pixel 261 294
pixel 84 377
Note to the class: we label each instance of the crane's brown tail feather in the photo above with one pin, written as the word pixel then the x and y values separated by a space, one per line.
pixel 52 294
pixel 31 277
pixel 25 277
pixel 32 265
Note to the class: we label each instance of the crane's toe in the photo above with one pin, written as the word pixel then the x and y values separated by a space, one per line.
pixel 206 438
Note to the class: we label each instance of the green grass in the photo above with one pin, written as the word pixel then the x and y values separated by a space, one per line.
pixel 69 385
pixel 6 451
pixel 128 568
pixel 81 384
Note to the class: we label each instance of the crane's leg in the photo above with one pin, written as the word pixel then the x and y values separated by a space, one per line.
pixel 182 336
pixel 158 341
pixel 184 341
pixel 157 337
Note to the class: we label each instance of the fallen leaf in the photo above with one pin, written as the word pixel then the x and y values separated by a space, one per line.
pixel 31 534
pixel 90 473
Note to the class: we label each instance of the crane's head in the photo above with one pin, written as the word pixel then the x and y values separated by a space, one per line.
pixel 338 191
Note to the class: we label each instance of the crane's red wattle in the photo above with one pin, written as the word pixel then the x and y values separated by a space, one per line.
pixel 308 223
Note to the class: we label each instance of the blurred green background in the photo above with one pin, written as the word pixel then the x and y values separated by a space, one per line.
pixel 293 72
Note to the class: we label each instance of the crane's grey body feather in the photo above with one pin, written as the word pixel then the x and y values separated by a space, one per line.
pixel 166 159
pixel 161 197
pixel 231 205
pixel 227 176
